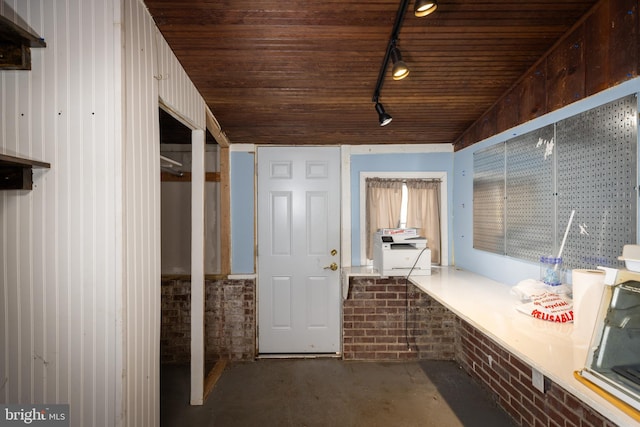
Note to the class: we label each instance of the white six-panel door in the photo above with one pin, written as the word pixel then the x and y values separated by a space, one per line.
pixel 299 305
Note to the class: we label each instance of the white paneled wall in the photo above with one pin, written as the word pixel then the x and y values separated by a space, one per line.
pixel 141 181
pixel 80 253
pixel 58 266
pixel 176 89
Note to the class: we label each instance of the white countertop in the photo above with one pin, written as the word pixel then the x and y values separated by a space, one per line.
pixel 554 349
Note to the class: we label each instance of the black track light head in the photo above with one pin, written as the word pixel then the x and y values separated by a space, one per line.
pixel 424 7
pixel 400 69
pixel 383 117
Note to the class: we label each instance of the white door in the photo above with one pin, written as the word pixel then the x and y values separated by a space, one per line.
pixel 299 298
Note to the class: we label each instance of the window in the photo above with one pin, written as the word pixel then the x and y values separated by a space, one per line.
pixel 406 215
pixel 403 206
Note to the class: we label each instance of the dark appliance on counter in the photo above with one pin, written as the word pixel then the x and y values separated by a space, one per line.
pixel 613 358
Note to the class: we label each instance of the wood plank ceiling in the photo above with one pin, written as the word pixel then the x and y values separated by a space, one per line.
pixel 303 72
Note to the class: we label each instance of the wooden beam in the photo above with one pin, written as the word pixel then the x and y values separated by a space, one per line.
pixel 186 177
pixel 213 376
pixel 9 30
pixel 214 129
pixel 6 160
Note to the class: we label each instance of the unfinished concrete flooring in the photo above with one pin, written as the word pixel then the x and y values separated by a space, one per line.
pixel 332 392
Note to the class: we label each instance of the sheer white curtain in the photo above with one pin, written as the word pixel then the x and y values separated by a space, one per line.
pixel 423 213
pixel 384 201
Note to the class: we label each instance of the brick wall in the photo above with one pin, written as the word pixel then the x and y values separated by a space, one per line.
pixel 175 319
pixel 509 380
pixel 374 322
pixel 230 309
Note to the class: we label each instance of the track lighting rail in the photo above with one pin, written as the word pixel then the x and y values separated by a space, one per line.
pixel 422 8
pixel 402 8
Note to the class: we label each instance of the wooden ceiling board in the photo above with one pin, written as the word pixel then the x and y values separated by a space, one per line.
pixel 304 72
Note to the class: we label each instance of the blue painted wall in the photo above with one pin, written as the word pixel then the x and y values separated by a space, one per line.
pixel 242 171
pixel 502 268
pixel 406 162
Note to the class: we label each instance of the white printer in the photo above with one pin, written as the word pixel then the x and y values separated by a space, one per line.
pixel 395 251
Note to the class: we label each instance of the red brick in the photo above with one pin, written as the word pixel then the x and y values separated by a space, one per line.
pixel 375 318
pixel 397 303
pixel 363 339
pixel 387 339
pixel 384 355
pixel 375 332
pixel 520 365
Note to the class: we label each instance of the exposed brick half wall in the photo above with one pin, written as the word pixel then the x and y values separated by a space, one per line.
pixel 374 325
pixel 230 310
pixel 509 379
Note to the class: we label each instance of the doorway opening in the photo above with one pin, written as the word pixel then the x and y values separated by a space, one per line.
pixel 188 216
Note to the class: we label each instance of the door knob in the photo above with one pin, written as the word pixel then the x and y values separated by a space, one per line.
pixel 332 267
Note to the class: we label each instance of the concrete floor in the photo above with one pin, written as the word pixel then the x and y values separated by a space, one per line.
pixel 332 392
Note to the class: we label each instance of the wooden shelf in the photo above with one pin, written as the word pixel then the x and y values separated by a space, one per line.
pixel 15 46
pixel 16 173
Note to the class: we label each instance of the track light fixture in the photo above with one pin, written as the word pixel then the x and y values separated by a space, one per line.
pixel 383 117
pixel 424 7
pixel 400 69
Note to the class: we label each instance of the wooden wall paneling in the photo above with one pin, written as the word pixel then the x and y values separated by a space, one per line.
pixel 531 94
pixel 602 50
pixel 507 112
pixel 596 52
pixel 487 124
pixel 565 71
pixel 623 40
pixel 462 141
pixel 466 140
pixel 474 134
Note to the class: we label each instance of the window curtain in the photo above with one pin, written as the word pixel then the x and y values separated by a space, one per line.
pixel 384 202
pixel 423 213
